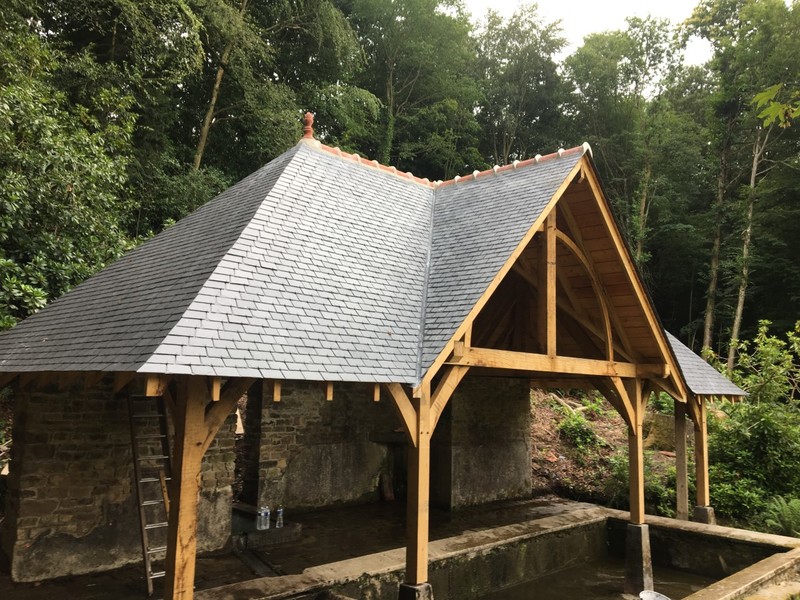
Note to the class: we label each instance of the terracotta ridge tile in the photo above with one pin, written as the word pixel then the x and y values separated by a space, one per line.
pixel 376 165
pixel 582 149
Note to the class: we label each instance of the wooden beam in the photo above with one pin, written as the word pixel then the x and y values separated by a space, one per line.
pixel 419 457
pixel 376 392
pixel 636 455
pixel 444 391
pixel 408 415
pixel 190 431
pixel 681 466
pixel 276 391
pixel 701 455
pixel 567 365
pixel 216 387
pixel 329 391
pixel 155 385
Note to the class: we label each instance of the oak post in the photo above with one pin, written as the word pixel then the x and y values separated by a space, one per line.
pixel 636 454
pixel 701 454
pixel 190 433
pixel 681 467
pixel 419 494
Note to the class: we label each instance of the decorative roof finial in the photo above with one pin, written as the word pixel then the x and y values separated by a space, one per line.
pixel 308 130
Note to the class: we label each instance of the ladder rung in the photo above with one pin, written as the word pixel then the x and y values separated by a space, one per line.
pixel 153 457
pixel 156 550
pixel 152 502
pixel 153 479
pixel 157 574
pixel 156 525
pixel 150 436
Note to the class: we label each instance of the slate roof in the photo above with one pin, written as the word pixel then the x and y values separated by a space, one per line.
pixel 701 378
pixel 318 266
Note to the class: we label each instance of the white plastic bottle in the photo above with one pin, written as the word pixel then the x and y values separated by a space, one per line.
pixel 262 520
pixel 279 517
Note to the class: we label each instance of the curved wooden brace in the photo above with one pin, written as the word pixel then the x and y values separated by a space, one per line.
pixel 406 410
pixel 573 247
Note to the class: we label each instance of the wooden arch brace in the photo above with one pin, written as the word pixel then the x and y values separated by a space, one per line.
pixel 196 418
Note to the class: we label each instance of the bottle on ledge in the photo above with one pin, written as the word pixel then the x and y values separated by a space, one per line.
pixel 262 520
pixel 279 517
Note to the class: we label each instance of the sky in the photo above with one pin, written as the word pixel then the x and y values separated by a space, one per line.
pixel 581 17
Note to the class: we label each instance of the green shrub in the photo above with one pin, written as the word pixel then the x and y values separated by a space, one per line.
pixel 659 487
pixel 575 428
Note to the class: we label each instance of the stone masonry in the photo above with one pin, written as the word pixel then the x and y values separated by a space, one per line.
pixel 317 453
pixel 480 451
pixel 71 505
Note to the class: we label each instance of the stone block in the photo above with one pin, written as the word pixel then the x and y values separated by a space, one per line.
pixel 638 560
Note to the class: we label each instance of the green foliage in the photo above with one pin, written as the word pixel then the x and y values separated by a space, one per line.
pixel 782 516
pixel 754 454
pixel 768 367
pixel 663 403
pixel 659 487
pixel 61 172
pixel 575 428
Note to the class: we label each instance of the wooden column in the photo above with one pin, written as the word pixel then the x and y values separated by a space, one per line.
pixel 681 467
pixel 636 452
pixel 197 418
pixel 419 478
pixel 190 434
pixel 701 453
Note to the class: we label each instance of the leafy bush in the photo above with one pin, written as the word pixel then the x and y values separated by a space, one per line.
pixel 754 452
pixel 659 487
pixel 578 431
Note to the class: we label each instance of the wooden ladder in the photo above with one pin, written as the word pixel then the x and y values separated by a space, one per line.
pixel 152 470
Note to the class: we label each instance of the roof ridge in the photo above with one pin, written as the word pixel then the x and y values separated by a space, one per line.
pixel 336 151
pixel 582 149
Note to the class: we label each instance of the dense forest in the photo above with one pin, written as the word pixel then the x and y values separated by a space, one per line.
pixel 118 117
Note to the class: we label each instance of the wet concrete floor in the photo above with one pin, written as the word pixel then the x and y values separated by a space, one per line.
pixel 327 536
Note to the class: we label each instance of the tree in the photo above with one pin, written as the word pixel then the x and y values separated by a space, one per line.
pixel 62 168
pixel 520 112
pixel 418 59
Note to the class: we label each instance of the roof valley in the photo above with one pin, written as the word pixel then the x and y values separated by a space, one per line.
pixel 424 303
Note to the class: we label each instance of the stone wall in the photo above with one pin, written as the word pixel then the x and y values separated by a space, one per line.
pixel 71 505
pixel 317 453
pixel 480 451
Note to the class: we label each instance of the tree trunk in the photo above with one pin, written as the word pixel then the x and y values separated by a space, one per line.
pixel 208 119
pixel 644 209
pixel 747 236
pixel 713 271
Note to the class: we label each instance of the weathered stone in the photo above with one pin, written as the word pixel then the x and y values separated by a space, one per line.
pixel 422 591
pixel 704 514
pixel 638 560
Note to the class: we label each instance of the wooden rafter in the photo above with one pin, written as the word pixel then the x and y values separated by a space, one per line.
pixel 627 262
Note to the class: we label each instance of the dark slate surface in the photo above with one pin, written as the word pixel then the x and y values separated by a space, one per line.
pixel 115 320
pixel 477 225
pixel 324 284
pixel 701 377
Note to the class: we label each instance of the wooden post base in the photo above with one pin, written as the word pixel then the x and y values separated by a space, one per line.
pixel 638 561
pixel 704 514
pixel 420 591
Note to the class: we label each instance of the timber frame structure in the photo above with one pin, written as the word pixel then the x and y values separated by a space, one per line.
pixel 519 271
